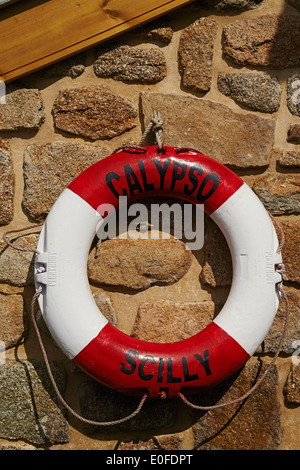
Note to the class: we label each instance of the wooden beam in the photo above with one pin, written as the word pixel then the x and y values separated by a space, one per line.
pixel 34 34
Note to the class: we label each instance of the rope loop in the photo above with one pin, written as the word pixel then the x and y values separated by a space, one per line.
pixel 25 250
pixel 63 402
pixel 44 353
pixel 261 379
pixel 281 269
pixel 132 149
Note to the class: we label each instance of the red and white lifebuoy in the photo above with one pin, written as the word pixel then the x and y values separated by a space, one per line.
pixel 115 359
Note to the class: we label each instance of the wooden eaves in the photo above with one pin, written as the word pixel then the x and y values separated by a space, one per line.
pixel 37 33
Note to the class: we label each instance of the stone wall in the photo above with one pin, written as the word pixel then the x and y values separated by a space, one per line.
pixel 222 74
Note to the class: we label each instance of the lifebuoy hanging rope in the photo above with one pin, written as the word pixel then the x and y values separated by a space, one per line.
pixel 127 364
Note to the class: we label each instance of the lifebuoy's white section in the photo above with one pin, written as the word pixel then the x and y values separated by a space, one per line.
pixel 66 302
pixel 252 303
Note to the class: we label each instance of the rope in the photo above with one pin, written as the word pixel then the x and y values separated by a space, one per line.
pixel 281 233
pixel 81 418
pixel 33 302
pixel 125 148
pixel 21 230
pixel 260 380
pixel 280 268
pixel 155 125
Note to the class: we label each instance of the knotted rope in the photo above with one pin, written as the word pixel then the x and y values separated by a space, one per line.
pixel 156 126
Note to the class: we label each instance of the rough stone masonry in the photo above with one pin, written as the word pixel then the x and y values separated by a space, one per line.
pixel 225 76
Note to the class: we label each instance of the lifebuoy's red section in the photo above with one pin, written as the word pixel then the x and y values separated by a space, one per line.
pixel 134 367
pixel 187 175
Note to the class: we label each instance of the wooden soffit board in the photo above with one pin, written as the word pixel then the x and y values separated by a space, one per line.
pixel 34 34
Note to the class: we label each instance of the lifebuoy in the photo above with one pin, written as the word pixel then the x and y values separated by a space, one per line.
pixel 120 361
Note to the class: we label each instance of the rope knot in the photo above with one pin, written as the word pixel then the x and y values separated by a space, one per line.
pixel 157 122
pixel 155 125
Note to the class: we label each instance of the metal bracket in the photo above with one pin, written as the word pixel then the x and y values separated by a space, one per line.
pixel 45 268
pixel 277 262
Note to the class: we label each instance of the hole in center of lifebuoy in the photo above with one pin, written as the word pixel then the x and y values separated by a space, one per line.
pixel 160 279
